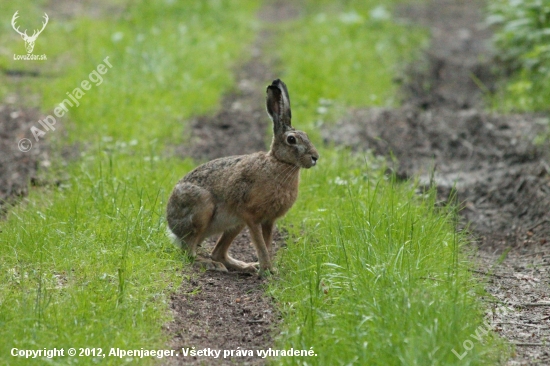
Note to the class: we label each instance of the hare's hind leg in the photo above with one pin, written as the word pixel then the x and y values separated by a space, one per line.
pixel 189 212
pixel 189 245
pixel 202 260
pixel 220 252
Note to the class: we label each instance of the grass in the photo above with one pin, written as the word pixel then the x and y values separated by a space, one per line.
pixel 87 263
pixel 170 61
pixel 373 274
pixel 522 35
pixel 348 57
pixel 525 91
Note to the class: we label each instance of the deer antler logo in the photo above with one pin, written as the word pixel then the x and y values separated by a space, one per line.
pixel 29 40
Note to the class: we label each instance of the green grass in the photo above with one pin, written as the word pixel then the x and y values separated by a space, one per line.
pixel 170 61
pixel 522 37
pixel 373 273
pixel 87 263
pixel 339 56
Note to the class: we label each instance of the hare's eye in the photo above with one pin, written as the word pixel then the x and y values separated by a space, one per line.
pixel 291 140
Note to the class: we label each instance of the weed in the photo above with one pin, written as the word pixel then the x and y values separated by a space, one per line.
pixel 522 39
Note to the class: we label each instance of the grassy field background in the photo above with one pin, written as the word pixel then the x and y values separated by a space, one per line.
pixel 522 39
pixel 87 263
pixel 373 272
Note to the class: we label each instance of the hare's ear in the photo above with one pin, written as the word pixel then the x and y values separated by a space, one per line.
pixel 278 106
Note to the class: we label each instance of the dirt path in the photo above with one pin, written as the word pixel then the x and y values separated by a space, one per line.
pixel 218 310
pixel 18 167
pixel 502 178
pixel 19 111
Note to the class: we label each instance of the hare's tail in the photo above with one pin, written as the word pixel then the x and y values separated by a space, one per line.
pixel 177 241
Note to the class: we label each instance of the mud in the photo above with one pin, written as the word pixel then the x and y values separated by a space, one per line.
pixel 443 136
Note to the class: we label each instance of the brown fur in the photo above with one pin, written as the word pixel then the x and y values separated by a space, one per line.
pixel 224 195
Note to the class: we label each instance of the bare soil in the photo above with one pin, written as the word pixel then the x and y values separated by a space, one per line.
pixel 19 168
pixel 241 126
pixel 224 311
pixel 502 179
pixel 443 136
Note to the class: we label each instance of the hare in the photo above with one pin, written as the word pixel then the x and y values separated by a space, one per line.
pixel 223 195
